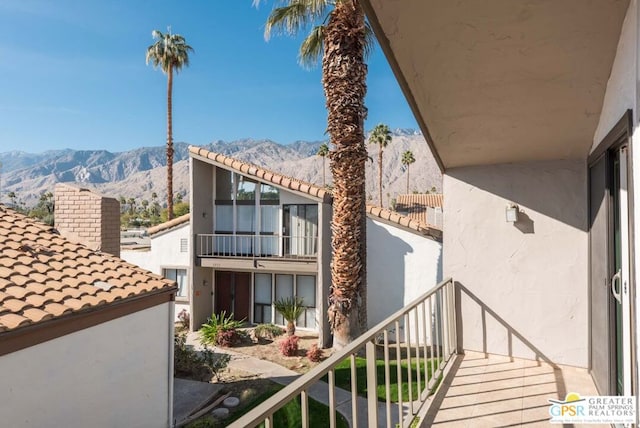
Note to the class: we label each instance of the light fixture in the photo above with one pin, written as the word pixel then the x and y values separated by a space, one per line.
pixel 511 213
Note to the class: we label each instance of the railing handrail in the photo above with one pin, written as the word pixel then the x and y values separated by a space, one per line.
pixel 303 382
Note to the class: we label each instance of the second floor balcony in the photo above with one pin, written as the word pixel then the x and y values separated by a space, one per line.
pixel 251 246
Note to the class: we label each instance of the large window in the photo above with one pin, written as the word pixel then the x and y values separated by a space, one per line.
pixel 180 277
pixel 282 286
pixel 262 298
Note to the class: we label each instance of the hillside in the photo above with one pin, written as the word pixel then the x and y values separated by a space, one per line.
pixel 140 172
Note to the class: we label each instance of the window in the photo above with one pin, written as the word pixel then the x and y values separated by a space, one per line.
pixel 262 298
pixel 180 277
pixel 284 289
pixel 306 290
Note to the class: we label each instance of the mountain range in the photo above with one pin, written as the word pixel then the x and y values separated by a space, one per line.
pixel 139 172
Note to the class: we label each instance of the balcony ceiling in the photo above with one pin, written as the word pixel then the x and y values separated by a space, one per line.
pixel 499 81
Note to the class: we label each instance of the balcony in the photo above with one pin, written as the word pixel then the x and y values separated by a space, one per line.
pixel 218 245
pixel 413 371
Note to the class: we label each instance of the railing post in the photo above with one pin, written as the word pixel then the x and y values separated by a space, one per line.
pixel 372 383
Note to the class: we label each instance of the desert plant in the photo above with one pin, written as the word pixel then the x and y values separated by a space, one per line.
pixel 217 323
pixel 184 319
pixel 227 338
pixel 290 308
pixel 267 331
pixel 215 362
pixel 314 354
pixel 289 346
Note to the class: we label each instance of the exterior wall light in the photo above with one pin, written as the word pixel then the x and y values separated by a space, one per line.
pixel 511 213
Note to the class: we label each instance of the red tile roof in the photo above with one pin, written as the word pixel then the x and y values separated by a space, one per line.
pixel 169 224
pixel 404 221
pixel 44 276
pixel 415 205
pixel 271 177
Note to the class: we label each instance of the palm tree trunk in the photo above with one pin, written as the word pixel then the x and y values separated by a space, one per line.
pixel 380 177
pixel 344 80
pixel 407 179
pixel 169 144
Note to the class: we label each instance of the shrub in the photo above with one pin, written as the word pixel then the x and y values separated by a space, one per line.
pixel 290 308
pixel 184 319
pixel 218 323
pixel 267 331
pixel 314 354
pixel 227 338
pixel 215 362
pixel 289 346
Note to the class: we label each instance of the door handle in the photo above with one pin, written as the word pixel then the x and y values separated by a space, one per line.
pixel 615 290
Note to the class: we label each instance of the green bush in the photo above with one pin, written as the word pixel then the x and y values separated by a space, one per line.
pixel 218 323
pixel 268 331
pixel 290 308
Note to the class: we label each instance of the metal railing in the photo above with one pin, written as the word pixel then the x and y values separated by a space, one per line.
pixel 256 246
pixel 419 339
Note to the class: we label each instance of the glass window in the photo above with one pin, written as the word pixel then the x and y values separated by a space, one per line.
pixel 180 277
pixel 224 185
pixel 269 193
pixel 306 290
pixel 246 189
pixel 284 289
pixel 262 298
pixel 224 218
pixel 246 218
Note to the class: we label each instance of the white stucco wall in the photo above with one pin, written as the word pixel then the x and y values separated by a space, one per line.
pixel 165 253
pixel 528 280
pixel 114 374
pixel 401 265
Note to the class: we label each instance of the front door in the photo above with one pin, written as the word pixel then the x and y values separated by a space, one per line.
pixel 233 294
pixel 609 264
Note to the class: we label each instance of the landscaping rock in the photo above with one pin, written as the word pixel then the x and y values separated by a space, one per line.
pixel 231 402
pixel 220 412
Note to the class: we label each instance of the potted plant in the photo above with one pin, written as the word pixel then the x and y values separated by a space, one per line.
pixel 290 308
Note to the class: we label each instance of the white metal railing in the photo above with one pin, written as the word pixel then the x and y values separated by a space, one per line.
pixel 419 339
pixel 256 246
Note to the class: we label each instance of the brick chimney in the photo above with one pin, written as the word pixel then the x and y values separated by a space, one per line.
pixel 88 218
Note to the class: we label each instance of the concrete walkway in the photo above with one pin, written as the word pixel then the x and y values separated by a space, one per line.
pixel 319 391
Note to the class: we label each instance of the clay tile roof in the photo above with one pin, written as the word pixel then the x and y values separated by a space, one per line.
pixel 404 221
pixel 167 225
pixel 43 276
pixel 289 183
pixel 415 205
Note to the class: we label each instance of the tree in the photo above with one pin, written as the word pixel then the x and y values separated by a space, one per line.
pixel 407 160
pixel 342 40
pixel 381 135
pixel 170 52
pixel 323 151
pixel 13 197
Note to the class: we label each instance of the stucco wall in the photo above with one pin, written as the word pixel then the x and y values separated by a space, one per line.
pixel 401 265
pixel 165 253
pixel 114 374
pixel 524 285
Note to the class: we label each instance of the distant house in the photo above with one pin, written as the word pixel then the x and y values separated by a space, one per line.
pixel 86 339
pixel 423 207
pixel 260 236
pixel 167 255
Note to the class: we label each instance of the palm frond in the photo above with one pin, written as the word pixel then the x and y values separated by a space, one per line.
pixel 169 51
pixel 311 49
pixel 295 16
pixel 369 39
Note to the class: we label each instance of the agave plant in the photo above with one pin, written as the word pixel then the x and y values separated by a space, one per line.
pixel 290 308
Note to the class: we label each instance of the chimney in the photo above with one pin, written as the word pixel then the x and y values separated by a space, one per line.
pixel 88 218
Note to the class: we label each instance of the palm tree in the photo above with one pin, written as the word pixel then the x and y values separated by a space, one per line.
pixel 381 135
pixel 407 160
pixel 323 151
pixel 342 40
pixel 290 308
pixel 170 52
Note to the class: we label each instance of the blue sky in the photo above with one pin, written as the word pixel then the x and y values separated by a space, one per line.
pixel 73 75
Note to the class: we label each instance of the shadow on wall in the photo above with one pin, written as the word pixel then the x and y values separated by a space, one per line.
pixel 511 333
pixel 556 189
pixel 385 272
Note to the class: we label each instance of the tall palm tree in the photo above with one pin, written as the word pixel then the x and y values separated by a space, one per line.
pixel 170 52
pixel 342 40
pixel 323 151
pixel 381 135
pixel 407 160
